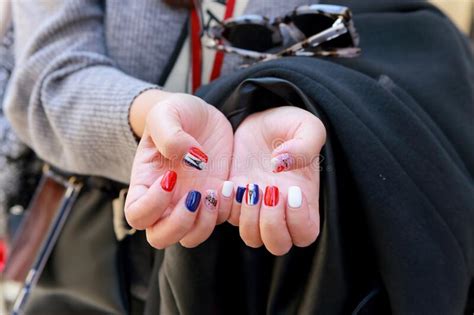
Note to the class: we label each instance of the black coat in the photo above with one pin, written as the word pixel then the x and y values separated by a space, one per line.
pixel 397 194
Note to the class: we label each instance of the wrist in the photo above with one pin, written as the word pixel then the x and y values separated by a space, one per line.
pixel 141 106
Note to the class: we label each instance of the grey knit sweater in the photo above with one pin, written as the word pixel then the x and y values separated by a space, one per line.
pixel 80 64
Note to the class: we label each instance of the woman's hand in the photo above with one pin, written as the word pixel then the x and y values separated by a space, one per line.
pixel 278 150
pixel 169 195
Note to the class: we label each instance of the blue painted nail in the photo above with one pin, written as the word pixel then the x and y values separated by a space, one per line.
pixel 251 195
pixel 239 194
pixel 192 200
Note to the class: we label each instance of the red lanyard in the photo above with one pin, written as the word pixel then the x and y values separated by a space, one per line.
pixel 196 48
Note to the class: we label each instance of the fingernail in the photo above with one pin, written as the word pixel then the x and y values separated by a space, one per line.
pixel 251 194
pixel 192 200
pixel 271 196
pixel 196 158
pixel 169 180
pixel 281 162
pixel 227 189
pixel 239 194
pixel 211 199
pixel 295 198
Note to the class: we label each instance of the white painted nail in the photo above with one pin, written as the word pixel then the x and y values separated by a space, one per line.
pixel 295 198
pixel 227 189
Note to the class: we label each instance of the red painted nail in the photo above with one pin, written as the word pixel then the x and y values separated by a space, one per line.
pixel 169 180
pixel 271 196
pixel 3 254
pixel 198 153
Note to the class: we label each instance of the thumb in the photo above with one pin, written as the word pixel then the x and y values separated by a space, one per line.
pixel 165 127
pixel 303 148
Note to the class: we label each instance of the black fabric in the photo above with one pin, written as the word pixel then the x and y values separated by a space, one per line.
pixel 397 195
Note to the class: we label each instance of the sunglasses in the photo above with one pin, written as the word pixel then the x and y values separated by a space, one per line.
pixel 309 30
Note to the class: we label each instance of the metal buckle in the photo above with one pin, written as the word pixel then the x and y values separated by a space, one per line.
pixel 121 227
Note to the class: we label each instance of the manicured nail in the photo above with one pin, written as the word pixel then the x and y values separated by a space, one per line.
pixel 211 199
pixel 192 200
pixel 169 180
pixel 271 196
pixel 295 198
pixel 251 194
pixel 227 188
pixel 196 158
pixel 281 162
pixel 239 194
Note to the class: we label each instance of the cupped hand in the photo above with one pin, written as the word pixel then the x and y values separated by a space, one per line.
pixel 275 169
pixel 180 165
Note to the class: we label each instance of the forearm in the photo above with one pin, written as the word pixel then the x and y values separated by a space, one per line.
pixel 67 100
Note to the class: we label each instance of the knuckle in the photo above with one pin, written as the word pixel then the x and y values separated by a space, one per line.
pixel 223 215
pixel 233 221
pixel 271 224
pixel 250 239
pixel 134 219
pixel 234 218
pixel 280 250
pixel 189 243
pixel 309 237
pixel 155 241
pixel 169 145
pixel 184 223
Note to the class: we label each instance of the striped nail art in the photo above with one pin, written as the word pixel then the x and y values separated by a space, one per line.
pixel 281 162
pixel 192 200
pixel 239 194
pixel 196 158
pixel 251 194
pixel 211 199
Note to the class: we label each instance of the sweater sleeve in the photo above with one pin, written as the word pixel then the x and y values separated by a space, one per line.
pixel 67 99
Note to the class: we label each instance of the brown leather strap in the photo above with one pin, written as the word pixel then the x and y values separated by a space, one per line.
pixel 34 228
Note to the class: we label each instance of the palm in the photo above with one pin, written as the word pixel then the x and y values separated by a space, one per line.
pixel 254 141
pixel 212 130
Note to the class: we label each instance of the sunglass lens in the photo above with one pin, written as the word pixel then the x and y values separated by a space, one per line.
pixel 311 24
pixel 249 36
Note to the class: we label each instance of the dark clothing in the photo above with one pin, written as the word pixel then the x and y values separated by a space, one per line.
pixel 397 195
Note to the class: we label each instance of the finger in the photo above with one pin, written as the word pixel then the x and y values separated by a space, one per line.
pixel 225 201
pixel 171 140
pixel 172 228
pixel 144 206
pixel 234 217
pixel 249 217
pixel 205 222
pixel 302 219
pixel 303 148
pixel 273 228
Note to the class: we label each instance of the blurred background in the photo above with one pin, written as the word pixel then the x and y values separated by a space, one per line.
pixel 461 12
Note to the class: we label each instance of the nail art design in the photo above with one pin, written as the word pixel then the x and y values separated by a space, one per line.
pixel 227 189
pixel 169 181
pixel 251 194
pixel 295 198
pixel 281 162
pixel 192 200
pixel 196 158
pixel 272 196
pixel 211 199
pixel 239 194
